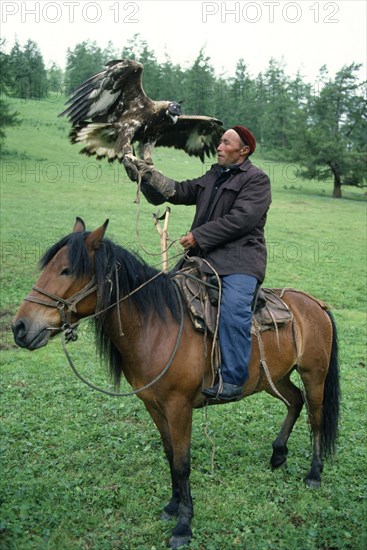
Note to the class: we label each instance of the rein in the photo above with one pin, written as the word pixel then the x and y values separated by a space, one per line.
pixel 69 330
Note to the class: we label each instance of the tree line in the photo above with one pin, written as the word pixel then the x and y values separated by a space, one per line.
pixel 322 125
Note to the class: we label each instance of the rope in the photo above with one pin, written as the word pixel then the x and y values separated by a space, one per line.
pixel 73 326
pixel 215 346
pixel 139 390
pixel 137 224
pixel 211 440
pixel 69 329
pixel 265 366
pixel 118 301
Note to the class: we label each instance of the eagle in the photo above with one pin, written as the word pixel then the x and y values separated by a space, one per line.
pixel 110 112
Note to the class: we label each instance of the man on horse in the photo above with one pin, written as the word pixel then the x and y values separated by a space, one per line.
pixel 232 200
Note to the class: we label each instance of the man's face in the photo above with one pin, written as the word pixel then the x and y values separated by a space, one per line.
pixel 231 150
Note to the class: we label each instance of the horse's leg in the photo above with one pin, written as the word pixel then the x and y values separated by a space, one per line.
pixel 171 510
pixel 314 394
pixel 179 416
pixel 174 425
pixel 294 396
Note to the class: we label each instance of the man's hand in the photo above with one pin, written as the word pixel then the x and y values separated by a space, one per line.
pixel 188 241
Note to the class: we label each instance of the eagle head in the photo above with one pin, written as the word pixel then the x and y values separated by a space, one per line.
pixel 174 110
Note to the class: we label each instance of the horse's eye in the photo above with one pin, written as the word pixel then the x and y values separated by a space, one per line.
pixel 66 271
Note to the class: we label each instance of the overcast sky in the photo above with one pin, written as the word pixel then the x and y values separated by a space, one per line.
pixel 305 34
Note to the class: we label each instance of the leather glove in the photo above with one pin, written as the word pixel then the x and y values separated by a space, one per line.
pixel 149 174
pixel 131 169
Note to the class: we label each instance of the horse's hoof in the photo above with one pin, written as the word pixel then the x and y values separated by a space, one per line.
pixel 179 542
pixel 313 483
pixel 283 464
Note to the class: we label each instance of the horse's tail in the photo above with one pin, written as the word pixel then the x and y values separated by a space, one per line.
pixel 330 412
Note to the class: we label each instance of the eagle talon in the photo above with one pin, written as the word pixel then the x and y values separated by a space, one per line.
pixel 131 157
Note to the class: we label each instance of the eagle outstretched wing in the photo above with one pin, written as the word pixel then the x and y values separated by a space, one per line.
pixel 110 112
pixel 108 94
pixel 196 135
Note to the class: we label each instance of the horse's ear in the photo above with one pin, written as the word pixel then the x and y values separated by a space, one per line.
pixel 79 226
pixel 94 239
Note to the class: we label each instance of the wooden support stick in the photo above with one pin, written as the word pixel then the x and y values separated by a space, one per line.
pixel 163 233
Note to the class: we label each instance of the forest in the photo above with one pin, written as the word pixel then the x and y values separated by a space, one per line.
pixel 320 125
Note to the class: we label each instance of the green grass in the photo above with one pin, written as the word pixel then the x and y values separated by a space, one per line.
pixel 84 471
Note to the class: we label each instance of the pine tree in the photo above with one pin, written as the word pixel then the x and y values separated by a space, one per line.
pixel 242 99
pixel 277 103
pixel 55 78
pixel 36 71
pixel 17 71
pixel 8 117
pixel 27 71
pixel 170 80
pixel 199 86
pixel 332 139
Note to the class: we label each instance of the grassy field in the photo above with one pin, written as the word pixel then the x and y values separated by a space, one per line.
pixel 84 471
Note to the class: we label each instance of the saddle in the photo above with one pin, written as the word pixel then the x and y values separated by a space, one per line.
pixel 201 293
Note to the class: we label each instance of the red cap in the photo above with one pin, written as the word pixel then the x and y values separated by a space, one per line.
pixel 246 136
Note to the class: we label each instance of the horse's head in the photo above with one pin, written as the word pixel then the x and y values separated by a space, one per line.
pixel 65 290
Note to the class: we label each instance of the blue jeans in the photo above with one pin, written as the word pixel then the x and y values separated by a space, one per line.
pixel 235 326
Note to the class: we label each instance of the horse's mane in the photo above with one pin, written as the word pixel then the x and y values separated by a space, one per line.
pixel 132 271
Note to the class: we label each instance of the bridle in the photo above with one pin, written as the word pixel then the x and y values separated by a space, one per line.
pixel 68 306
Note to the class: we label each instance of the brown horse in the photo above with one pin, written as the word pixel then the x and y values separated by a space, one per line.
pixel 142 328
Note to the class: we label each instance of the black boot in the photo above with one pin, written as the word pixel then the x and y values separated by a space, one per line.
pixel 229 392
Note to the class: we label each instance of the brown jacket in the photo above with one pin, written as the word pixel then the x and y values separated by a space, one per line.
pixel 231 234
